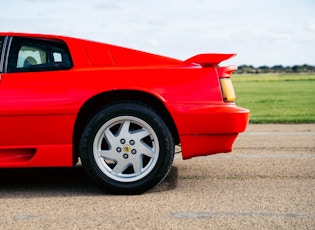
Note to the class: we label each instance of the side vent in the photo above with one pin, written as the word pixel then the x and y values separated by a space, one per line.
pixel 16 156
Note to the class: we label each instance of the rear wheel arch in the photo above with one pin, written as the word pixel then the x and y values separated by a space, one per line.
pixel 96 103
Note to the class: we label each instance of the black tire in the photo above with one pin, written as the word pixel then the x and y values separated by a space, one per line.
pixel 127 148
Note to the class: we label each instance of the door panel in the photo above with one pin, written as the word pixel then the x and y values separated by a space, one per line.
pixel 37 106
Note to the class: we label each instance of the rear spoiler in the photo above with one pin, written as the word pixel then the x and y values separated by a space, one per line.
pixel 208 60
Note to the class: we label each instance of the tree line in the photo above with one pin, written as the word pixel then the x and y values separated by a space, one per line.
pixel 243 69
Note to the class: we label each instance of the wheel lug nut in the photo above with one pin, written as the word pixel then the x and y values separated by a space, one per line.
pixel 122 141
pixel 125 156
pixel 118 149
pixel 132 142
pixel 133 151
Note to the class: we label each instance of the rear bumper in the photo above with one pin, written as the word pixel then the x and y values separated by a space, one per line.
pixel 208 129
pixel 204 145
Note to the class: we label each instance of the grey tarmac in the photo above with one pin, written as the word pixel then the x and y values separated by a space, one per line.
pixel 267 182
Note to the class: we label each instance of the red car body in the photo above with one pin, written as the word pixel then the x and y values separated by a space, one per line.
pixel 43 113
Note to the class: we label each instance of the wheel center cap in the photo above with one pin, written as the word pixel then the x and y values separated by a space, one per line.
pixel 126 148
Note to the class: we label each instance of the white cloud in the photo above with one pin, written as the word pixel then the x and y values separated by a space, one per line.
pixel 312 27
pixel 107 6
pixel 154 42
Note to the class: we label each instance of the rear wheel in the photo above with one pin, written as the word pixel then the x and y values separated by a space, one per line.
pixel 127 148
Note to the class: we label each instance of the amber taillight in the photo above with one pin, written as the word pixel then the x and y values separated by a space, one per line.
pixel 227 88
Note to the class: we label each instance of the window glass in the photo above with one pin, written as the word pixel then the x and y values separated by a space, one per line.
pixel 30 55
pixel 57 57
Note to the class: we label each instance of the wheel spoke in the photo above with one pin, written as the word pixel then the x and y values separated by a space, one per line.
pixel 109 155
pixel 124 129
pixel 137 164
pixel 110 137
pixel 120 167
pixel 140 134
pixel 146 150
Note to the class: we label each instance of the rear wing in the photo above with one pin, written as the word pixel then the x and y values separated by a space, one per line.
pixel 208 60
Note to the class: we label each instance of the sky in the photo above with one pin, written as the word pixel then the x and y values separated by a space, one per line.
pixel 268 32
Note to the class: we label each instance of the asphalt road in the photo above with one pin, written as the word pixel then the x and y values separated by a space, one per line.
pixel 267 182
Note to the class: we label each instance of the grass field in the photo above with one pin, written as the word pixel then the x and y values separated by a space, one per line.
pixel 274 98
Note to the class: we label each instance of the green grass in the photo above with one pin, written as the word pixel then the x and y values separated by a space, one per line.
pixel 274 98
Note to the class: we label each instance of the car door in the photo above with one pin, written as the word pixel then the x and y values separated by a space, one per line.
pixel 35 110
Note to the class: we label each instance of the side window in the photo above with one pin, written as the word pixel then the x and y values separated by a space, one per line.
pixel 32 55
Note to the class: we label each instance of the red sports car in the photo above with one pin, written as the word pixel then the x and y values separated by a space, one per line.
pixel 120 111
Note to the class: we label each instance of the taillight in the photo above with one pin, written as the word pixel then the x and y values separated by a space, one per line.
pixel 227 88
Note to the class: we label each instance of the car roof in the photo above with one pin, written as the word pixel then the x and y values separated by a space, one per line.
pixel 24 34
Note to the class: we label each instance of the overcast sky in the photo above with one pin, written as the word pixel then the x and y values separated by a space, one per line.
pixel 268 32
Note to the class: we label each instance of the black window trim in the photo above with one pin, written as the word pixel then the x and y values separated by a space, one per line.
pixel 3 53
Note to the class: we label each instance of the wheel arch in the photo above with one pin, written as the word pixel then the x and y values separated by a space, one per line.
pixel 99 101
